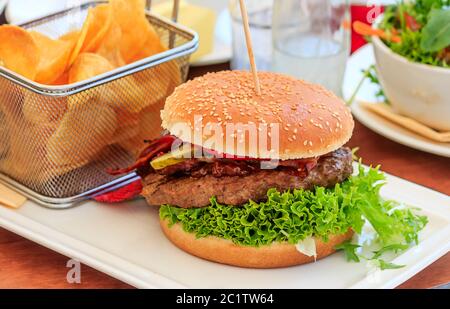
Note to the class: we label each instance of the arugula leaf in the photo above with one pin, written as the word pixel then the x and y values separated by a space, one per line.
pixel 349 250
pixel 387 265
pixel 369 73
pixel 393 247
pixel 436 34
pixel 372 76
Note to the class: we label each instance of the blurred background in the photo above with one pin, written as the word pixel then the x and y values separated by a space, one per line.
pixel 307 32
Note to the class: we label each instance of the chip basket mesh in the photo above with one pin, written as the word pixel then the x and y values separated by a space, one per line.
pixel 57 142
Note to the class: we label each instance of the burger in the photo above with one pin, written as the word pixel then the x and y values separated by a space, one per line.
pixel 280 203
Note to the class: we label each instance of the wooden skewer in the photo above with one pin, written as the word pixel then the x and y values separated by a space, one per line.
pixel 148 4
pixel 248 40
pixel 175 9
pixel 174 17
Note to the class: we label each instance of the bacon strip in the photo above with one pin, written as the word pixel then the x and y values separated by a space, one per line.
pixel 155 147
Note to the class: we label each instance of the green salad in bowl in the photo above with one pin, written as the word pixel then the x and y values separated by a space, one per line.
pixel 423 27
pixel 411 44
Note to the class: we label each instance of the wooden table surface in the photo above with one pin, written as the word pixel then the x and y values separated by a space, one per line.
pixel 24 264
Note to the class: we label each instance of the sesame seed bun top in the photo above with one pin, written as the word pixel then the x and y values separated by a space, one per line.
pixel 306 119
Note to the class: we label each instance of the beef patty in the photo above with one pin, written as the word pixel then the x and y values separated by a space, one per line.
pixel 187 191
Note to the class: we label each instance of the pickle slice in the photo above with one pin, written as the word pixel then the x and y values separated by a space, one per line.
pixel 171 158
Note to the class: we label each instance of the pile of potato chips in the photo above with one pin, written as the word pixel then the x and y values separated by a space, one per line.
pixel 113 34
pixel 46 136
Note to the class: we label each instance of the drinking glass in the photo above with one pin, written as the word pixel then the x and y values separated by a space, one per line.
pixel 260 22
pixel 311 40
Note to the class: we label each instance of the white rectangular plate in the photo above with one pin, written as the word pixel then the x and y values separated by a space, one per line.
pixel 125 241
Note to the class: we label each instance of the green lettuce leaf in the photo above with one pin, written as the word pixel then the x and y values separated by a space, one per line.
pixel 394 247
pixel 349 250
pixel 383 265
pixel 436 34
pixel 292 216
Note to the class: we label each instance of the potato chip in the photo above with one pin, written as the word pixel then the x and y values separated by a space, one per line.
pixel 152 46
pixel 109 46
pixel 18 51
pixel 10 101
pixel 79 37
pixel 161 81
pixel 128 128
pixel 145 88
pixel 129 96
pixel 71 36
pixel 54 57
pixel 130 14
pixel 26 155
pixel 63 79
pixel 4 133
pixel 149 128
pixel 83 132
pixel 98 25
pixel 48 112
pixel 88 65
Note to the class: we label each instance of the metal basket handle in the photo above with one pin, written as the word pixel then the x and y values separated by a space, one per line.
pixel 175 9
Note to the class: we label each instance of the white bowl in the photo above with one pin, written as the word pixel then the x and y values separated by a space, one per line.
pixel 415 90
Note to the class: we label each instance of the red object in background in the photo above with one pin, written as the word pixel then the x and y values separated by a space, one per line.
pixel 411 22
pixel 361 12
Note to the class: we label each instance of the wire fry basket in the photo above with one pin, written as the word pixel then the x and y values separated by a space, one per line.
pixel 57 141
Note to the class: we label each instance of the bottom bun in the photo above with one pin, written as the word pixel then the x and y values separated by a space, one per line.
pixel 226 252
